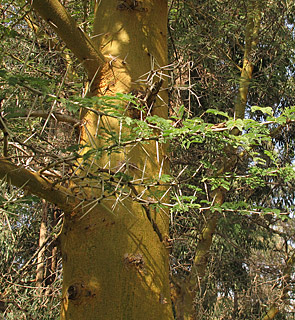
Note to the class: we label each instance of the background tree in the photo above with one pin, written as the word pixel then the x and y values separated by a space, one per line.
pixel 210 78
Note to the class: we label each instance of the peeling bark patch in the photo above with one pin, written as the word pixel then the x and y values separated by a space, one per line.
pixel 130 5
pixel 134 260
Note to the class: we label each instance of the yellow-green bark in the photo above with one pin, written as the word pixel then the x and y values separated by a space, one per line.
pixel 272 312
pixel 251 41
pixel 32 182
pixel 115 263
pixel 53 12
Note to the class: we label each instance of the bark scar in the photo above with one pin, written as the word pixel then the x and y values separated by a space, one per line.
pixel 134 260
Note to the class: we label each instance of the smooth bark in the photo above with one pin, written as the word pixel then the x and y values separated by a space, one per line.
pixel 114 251
pixel 32 182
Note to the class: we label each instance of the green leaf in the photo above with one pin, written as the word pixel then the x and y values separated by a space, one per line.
pixel 239 123
pixel 267 110
pixel 165 178
pixel 217 112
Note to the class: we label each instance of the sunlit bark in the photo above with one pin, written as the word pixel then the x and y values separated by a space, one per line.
pixel 114 252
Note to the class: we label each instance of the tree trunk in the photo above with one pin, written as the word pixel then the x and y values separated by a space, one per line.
pixel 115 261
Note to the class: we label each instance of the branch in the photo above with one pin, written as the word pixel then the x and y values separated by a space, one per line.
pixel 55 14
pixel 29 66
pixel 251 41
pixel 43 114
pixel 41 187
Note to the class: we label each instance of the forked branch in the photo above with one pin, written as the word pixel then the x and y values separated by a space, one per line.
pixel 65 26
pixel 41 187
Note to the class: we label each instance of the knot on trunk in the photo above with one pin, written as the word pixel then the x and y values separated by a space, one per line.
pixel 79 290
